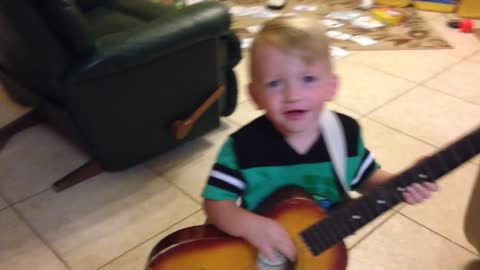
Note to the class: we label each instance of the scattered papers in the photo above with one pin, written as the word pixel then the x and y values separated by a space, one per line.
pixel 330 23
pixel 305 8
pixel 246 43
pixel 338 52
pixel 367 22
pixel 363 40
pixel 254 29
pixel 339 35
pixel 246 11
pixel 344 15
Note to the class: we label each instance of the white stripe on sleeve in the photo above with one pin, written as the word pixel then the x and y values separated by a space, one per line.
pixel 228 179
pixel 366 163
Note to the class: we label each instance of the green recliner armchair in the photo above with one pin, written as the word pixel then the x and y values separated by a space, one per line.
pixel 116 75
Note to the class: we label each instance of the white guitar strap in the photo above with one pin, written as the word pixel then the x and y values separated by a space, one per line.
pixel 335 140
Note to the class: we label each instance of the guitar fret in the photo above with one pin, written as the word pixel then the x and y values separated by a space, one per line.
pixel 336 237
pixel 471 144
pixel 466 146
pixel 342 228
pixel 451 155
pixel 412 176
pixel 363 209
pixel 399 185
pixel 314 239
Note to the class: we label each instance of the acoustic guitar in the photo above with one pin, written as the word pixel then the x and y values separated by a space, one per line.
pixel 316 235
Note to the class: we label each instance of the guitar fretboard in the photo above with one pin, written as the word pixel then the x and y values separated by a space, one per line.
pixel 359 212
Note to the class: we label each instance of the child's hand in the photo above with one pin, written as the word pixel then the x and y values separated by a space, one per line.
pixel 417 193
pixel 269 237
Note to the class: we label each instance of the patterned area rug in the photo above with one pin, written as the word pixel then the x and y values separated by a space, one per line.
pixel 413 33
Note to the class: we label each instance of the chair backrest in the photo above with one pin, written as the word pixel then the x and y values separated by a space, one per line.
pixel 39 40
pixel 86 5
pixel 66 19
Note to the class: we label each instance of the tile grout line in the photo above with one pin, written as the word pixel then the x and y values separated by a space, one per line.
pixel 435 75
pixel 56 254
pixel 7 203
pixel 382 71
pixel 37 234
pixel 416 84
pixel 458 60
pixel 10 204
pixel 373 230
pixel 404 133
pixel 30 196
pixel 442 236
pixel 146 240
pixel 185 193
pixel 389 101
pixel 449 95
pixel 436 148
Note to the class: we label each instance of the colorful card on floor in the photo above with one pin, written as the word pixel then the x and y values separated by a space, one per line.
pixel 367 22
pixel 246 43
pixel 254 28
pixel 305 7
pixel 330 23
pixel 193 2
pixel 338 35
pixel 344 15
pixel 266 13
pixel 290 14
pixel 245 11
pixel 338 52
pixel 363 40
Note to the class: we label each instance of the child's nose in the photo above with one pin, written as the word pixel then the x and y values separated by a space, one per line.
pixel 291 94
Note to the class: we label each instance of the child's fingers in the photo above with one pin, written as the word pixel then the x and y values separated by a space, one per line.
pixel 408 198
pixel 424 192
pixel 430 186
pixel 288 249
pixel 285 246
pixel 415 193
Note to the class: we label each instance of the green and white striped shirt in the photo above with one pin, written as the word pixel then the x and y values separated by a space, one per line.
pixel 256 160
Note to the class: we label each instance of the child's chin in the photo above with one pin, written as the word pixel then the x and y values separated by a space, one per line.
pixel 299 128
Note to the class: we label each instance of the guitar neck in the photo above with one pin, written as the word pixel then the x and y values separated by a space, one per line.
pixel 359 212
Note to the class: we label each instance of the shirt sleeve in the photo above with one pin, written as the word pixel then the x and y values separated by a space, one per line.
pixel 225 181
pixel 361 166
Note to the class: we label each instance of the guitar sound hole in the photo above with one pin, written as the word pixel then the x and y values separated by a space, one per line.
pixel 280 263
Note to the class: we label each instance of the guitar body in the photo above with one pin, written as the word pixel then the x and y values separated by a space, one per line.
pixel 206 248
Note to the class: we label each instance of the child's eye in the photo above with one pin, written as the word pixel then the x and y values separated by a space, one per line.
pixel 309 79
pixel 273 84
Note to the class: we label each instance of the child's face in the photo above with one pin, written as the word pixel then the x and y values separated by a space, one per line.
pixel 290 90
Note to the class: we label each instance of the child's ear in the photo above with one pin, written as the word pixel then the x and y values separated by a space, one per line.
pixel 253 92
pixel 332 87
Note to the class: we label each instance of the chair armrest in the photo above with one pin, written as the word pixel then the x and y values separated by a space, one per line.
pixel 159 37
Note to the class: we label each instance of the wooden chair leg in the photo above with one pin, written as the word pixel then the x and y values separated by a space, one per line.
pixel 27 120
pixel 84 172
pixel 181 128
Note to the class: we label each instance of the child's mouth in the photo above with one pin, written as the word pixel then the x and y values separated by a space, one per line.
pixel 295 114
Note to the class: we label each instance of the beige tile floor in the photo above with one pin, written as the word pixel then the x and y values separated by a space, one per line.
pixel 409 104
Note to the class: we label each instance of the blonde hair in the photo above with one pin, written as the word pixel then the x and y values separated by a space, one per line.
pixel 303 36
